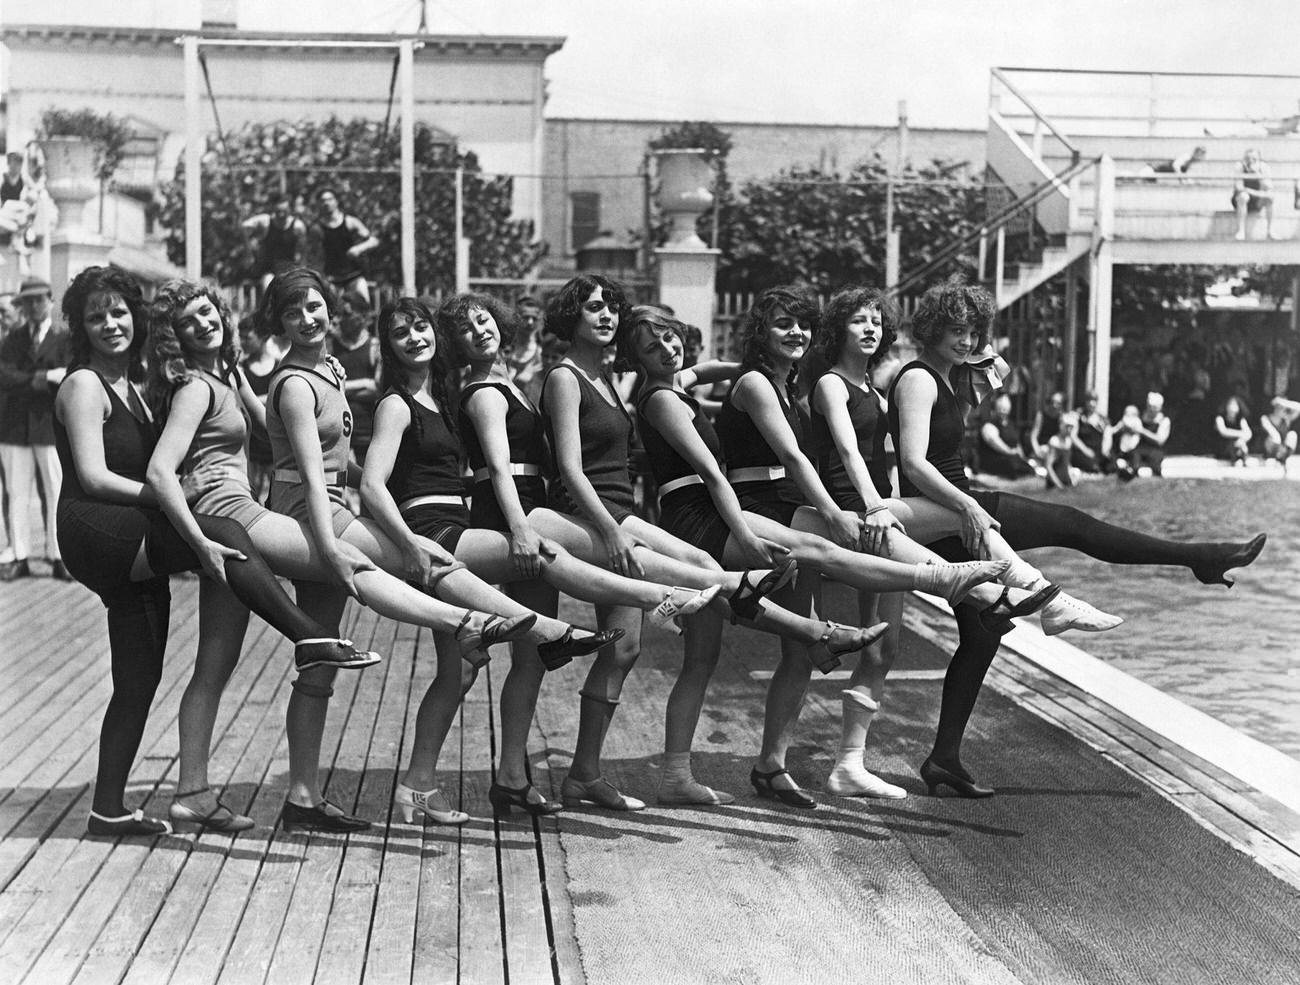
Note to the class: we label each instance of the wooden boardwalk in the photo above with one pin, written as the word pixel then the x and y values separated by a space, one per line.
pixel 1107 856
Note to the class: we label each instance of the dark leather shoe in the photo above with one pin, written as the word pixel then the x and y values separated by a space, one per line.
pixel 58 571
pixel 319 818
pixel 954 776
pixel 762 783
pixel 15 569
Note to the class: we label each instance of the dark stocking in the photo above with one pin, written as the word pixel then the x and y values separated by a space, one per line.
pixel 137 638
pixel 252 580
pixel 976 648
pixel 1029 523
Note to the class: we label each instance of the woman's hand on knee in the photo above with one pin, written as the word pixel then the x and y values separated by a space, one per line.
pixel 213 558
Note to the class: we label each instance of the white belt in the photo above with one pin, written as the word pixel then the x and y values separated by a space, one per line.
pixel 411 504
pixel 447 500
pixel 294 476
pixel 514 469
pixel 681 483
pixel 758 473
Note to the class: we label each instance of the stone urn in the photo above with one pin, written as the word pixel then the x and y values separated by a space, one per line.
pixel 70 177
pixel 685 191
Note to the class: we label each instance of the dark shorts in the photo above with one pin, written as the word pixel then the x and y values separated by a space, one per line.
pixel 485 511
pixel 777 501
pixel 618 502
pixel 690 515
pixel 100 541
pixel 441 524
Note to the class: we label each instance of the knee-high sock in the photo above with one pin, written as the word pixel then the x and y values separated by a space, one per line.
pixel 138 618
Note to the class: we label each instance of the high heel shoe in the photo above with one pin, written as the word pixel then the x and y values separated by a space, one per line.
pixel 506 799
pixel 339 654
pixel 826 657
pixel 220 818
pixel 495 629
pixel 962 783
pixel 997 617
pixel 762 784
pixel 953 581
pixel 597 793
pixel 1235 556
pixel 744 600
pixel 554 654
pixel 427 803
pixel 679 603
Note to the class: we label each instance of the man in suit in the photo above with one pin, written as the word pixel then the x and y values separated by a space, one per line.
pixel 33 361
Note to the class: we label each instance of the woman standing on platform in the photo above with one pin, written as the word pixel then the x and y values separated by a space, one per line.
pixel 505 437
pixel 413 487
pixel 116 542
pixel 320 544
pixel 927 405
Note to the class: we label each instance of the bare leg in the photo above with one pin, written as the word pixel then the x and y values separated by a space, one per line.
pixel 436 713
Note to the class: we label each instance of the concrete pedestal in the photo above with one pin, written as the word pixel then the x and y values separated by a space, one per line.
pixel 71 252
pixel 687 279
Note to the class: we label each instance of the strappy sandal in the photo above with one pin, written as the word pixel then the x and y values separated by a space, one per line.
pixel 220 818
pixel 826 658
pixel 744 600
pixel 495 629
pixel 997 617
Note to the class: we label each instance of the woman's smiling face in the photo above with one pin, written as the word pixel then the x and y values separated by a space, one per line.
pixel 306 322
pixel 479 337
pixel 108 324
pixel 863 332
pixel 598 322
pixel 659 349
pixel 198 328
pixel 787 340
pixel 413 340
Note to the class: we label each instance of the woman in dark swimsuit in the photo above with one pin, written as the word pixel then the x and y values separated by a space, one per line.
pixel 926 411
pixel 116 542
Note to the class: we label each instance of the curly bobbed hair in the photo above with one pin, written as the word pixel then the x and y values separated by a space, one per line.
pixel 167 363
pixel 564 309
pixel 109 281
pixel 442 376
pixel 627 358
pixel 287 289
pixel 828 341
pixel 794 300
pixel 953 302
pixel 453 317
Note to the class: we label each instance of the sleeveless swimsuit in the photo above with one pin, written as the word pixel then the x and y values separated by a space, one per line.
pixel 333 428
pixel 868 426
pixel 526 434
pixel 428 465
pixel 947 428
pixel 100 540
pixel 686 511
pixel 606 433
pixel 219 441
pixel 745 449
pixel 335 243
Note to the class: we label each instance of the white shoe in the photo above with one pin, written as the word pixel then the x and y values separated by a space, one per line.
pixel 429 803
pixel 680 602
pixel 1066 612
pixel 849 781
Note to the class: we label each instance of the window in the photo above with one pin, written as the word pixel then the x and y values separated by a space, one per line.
pixel 584 218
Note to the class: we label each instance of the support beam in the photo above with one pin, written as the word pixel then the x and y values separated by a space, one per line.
pixel 406 82
pixel 193 164
pixel 1072 334
pixel 1100 268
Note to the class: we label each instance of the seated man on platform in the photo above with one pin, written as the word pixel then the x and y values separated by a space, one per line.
pixel 1253 192
pixel 1000 452
pixel 1142 437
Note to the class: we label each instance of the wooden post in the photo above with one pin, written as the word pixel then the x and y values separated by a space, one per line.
pixel 193 164
pixel 462 245
pixel 1071 333
pixel 1100 269
pixel 406 74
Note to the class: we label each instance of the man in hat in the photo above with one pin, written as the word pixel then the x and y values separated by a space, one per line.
pixel 33 360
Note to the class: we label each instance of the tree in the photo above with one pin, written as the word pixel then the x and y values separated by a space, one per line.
pixel 359 160
pixel 828 230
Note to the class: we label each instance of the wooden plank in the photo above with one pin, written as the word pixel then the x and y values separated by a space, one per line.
pixel 389 954
pixel 482 957
pixel 566 961
pixel 435 947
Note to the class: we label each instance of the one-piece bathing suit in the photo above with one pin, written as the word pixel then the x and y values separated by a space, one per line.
pixel 606 434
pixel 526 435
pixel 425 481
pixel 752 466
pixel 869 427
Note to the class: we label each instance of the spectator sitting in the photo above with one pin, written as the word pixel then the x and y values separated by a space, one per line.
pixel 1047 423
pixel 1061 449
pixel 999 444
pixel 1094 428
pixel 1279 433
pixel 1179 165
pixel 553 350
pixel 1234 429
pixel 524 356
pixel 1142 438
pixel 1253 192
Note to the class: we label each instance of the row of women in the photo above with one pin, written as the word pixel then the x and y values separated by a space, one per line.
pixel 158 484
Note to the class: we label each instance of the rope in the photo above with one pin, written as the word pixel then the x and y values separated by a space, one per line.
pixel 392 87
pixel 212 101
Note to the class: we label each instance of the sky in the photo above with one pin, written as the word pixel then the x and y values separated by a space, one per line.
pixel 816 61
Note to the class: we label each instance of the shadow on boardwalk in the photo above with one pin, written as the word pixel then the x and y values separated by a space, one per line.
pixel 1078 871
